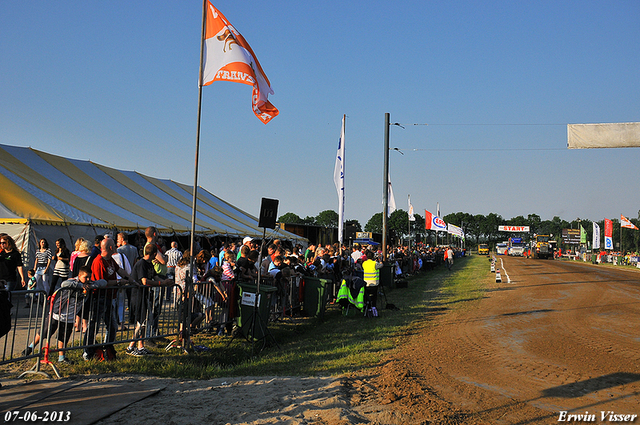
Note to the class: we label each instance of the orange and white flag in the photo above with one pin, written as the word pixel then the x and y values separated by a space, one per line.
pixel 228 57
pixel 626 223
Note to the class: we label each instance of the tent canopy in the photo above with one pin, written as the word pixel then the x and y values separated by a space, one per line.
pixel 45 189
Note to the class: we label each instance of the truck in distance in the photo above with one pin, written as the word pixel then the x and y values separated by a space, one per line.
pixel 516 247
pixel 540 247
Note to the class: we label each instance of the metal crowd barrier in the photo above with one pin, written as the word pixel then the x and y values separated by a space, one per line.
pixel 213 306
pixel 25 312
pixel 74 319
pixel 287 299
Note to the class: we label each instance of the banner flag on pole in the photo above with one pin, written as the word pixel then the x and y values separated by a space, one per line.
pixel 338 179
pixel 391 205
pixel 438 209
pixel 228 57
pixel 626 223
pixel 411 216
pixel 433 222
pixel 596 236
pixel 454 230
pixel 583 235
pixel 608 234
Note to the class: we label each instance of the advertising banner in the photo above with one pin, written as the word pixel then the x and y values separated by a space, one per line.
pixel 596 236
pixel 608 234
pixel 505 228
pixel 433 222
pixel 571 236
pixel 454 230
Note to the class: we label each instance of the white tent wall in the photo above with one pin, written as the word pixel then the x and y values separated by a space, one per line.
pixel 20 233
pixel 27 235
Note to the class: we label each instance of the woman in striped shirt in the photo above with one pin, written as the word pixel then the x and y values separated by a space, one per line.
pixel 43 260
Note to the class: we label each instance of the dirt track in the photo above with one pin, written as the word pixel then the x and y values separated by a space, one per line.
pixel 562 336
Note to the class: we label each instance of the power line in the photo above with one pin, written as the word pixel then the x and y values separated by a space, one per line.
pixel 480 149
pixel 485 150
pixel 486 124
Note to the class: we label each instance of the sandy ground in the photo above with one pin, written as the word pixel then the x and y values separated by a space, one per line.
pixel 560 336
pixel 275 400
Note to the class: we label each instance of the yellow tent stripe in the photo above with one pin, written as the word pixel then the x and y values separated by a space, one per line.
pixel 68 168
pixel 48 186
pixel 121 178
pixel 25 205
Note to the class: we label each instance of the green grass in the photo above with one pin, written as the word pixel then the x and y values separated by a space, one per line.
pixel 310 347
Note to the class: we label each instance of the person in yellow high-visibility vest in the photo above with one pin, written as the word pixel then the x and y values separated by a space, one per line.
pixel 371 267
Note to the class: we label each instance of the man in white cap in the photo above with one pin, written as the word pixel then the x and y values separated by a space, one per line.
pixel 246 241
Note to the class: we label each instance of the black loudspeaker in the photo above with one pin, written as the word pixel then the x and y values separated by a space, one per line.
pixel 268 213
pixel 350 232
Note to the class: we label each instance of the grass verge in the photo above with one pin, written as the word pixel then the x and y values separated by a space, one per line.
pixel 309 347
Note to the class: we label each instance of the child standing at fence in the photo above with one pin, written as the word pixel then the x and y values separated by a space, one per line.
pixel 31 286
pixel 65 306
pixel 224 290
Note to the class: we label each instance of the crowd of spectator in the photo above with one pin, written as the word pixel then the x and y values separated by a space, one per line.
pixel 98 268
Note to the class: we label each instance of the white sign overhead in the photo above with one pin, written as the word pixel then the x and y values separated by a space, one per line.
pixel 505 228
pixel 613 135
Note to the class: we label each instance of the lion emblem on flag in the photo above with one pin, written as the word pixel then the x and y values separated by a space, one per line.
pixel 228 38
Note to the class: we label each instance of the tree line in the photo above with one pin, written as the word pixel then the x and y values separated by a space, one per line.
pixel 478 228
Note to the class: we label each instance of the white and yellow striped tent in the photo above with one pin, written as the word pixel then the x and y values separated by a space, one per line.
pixel 44 195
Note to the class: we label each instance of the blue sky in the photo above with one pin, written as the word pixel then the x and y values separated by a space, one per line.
pixel 497 82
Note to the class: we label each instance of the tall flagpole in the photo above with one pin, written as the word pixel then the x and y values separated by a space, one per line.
pixel 338 176
pixel 409 221
pixel 344 170
pixel 385 186
pixel 189 287
pixel 195 168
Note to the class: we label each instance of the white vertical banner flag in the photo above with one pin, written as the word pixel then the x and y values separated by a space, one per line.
pixel 596 236
pixel 438 209
pixel 454 230
pixel 338 179
pixel 411 216
pixel 391 203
